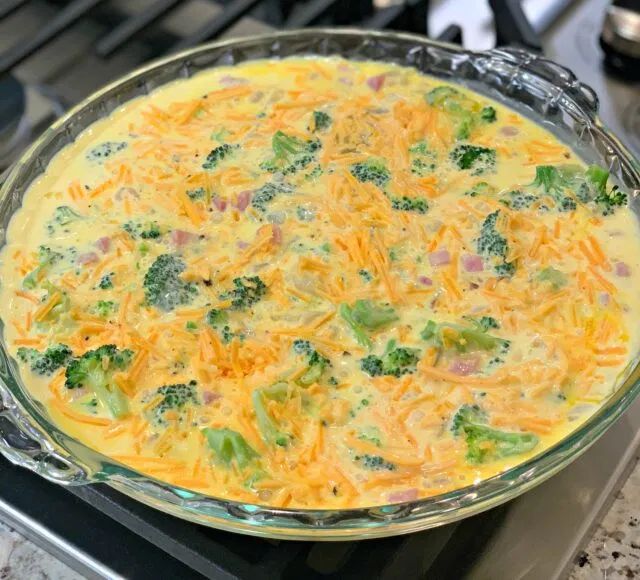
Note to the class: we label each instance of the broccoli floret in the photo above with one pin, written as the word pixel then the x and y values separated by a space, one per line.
pixel 217 317
pixel 174 399
pixel 414 204
pixel 484 323
pixel 485 443
pixel 554 181
pixel 477 160
pixel 197 194
pixel 105 150
pixel 163 286
pixel 321 121
pixel 463 338
pixel 555 277
pixel 290 154
pixel 481 188
pixel 365 275
pixel 62 302
pixel 46 258
pixel 593 188
pixel 610 200
pixel 217 155
pixel 421 167
pixel 304 214
pixel 466 113
pixel 146 231
pixel 371 434
pixel 247 291
pixel 105 308
pixel 373 171
pixel 301 346
pixel 317 364
pixel 364 314
pixel 269 429
pixel 374 463
pixel 395 361
pixel 519 200
pixel 106 282
pixel 267 193
pixel 94 370
pixel 488 114
pixel 62 216
pixel 492 244
pixel 423 159
pixel 47 362
pixel 229 446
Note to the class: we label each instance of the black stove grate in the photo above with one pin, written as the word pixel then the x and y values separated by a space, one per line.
pixel 406 15
pixel 151 544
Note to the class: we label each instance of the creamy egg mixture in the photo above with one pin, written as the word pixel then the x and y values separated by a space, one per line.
pixel 320 283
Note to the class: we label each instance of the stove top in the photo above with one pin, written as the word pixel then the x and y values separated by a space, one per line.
pixel 58 52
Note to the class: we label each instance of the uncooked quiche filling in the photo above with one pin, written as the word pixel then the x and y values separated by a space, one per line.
pixel 320 283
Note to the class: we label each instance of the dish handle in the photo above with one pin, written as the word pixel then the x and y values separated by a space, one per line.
pixel 529 66
pixel 24 445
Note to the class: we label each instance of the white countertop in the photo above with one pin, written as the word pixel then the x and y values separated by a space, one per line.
pixel 613 552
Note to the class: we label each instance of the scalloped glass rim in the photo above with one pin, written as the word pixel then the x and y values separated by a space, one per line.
pixel 536 87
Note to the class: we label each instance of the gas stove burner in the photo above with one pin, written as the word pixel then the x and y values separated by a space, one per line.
pixel 12 97
pixel 620 38
pixel 14 125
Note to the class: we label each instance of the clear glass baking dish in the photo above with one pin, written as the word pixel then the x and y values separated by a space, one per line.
pixel 538 88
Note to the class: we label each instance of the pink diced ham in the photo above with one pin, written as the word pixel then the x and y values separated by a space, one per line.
pixel 87 258
pixel 180 238
pixel 243 199
pixel 103 244
pixel 472 263
pixel 464 366
pixel 622 270
pixel 376 82
pixel 439 258
pixel 425 280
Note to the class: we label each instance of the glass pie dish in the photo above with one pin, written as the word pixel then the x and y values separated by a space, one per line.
pixel 535 87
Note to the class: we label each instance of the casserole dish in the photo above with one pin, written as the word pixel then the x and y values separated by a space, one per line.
pixel 537 88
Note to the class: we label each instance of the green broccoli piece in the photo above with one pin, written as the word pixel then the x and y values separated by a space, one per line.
pixel 554 181
pixel 465 112
pixel 47 362
pixel 321 121
pixel 414 204
pixel 317 365
pixel 269 429
pixel 64 215
pixel 481 188
pixel 267 193
pixel 46 258
pixel 290 154
pixel 216 317
pixel 485 443
pixel 374 463
pixel 373 171
pixel 519 200
pixel 217 155
pixel 197 194
pixel 364 314
pixel 488 115
pixel 492 244
pixel 371 434
pixel 365 275
pixel 163 286
pixel 229 446
pixel 105 150
pixel 463 338
pixel 106 282
pixel 94 370
pixel 555 277
pixel 61 307
pixel 477 160
pixel 105 308
pixel 174 398
pixel 593 188
pixel 423 161
pixel 484 323
pixel 247 291
pixel 395 361
pixel 301 346
pixel 146 231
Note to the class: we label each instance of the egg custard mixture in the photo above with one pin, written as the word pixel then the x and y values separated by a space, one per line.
pixel 319 283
